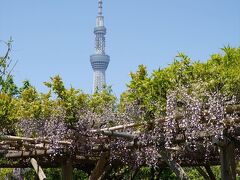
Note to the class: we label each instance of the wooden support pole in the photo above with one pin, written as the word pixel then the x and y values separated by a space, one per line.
pixel 227 158
pixel 202 172
pixel 173 165
pixel 210 173
pixel 106 172
pixel 99 168
pixel 38 169
pixel 67 169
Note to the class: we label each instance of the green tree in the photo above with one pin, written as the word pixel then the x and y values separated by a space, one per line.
pixel 8 89
pixel 7 84
pixel 219 73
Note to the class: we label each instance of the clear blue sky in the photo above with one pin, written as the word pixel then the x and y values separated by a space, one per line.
pixel 56 36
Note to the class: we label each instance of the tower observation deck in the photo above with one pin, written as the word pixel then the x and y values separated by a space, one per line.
pixel 99 60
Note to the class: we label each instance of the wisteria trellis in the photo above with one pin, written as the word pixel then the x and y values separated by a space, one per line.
pixel 192 120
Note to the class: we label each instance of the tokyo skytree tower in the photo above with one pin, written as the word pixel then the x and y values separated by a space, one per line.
pixel 99 60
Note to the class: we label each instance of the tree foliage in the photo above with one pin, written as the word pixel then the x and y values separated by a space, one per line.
pixel 8 90
pixel 219 74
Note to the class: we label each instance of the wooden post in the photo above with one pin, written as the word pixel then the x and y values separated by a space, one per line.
pixel 173 165
pixel 67 169
pixel 38 169
pixel 210 173
pixel 203 173
pixel 100 166
pixel 227 158
pixel 106 172
pixel 134 173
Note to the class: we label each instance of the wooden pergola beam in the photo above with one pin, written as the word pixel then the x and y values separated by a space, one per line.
pixel 119 127
pixel 19 154
pixel 33 140
pixel 119 134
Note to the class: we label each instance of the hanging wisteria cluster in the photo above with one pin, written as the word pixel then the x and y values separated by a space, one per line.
pixel 192 120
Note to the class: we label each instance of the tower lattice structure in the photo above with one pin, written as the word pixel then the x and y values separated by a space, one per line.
pixel 99 60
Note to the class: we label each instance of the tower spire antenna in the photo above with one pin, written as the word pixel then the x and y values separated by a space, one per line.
pixel 100 7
